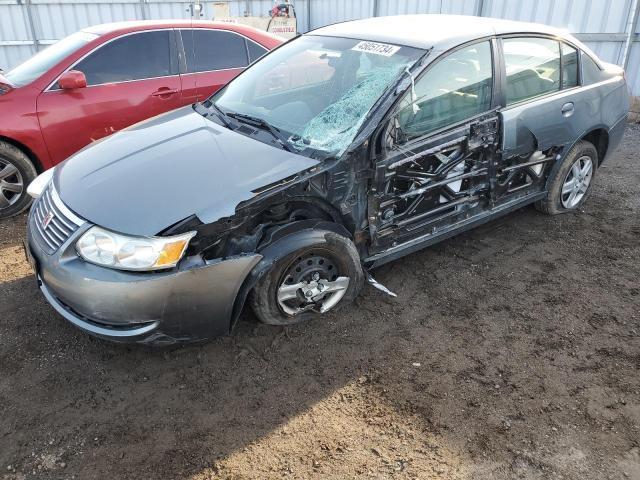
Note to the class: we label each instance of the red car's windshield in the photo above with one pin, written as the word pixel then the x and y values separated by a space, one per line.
pixel 34 67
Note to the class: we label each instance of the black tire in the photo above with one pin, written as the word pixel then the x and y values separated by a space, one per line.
pixel 338 249
pixel 11 202
pixel 552 204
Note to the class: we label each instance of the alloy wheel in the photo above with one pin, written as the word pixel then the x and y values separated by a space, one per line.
pixel 11 184
pixel 577 182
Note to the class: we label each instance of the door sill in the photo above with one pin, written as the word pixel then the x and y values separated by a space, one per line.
pixel 426 240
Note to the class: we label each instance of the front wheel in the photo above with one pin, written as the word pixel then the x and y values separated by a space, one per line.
pixel 571 184
pixel 309 282
pixel 16 172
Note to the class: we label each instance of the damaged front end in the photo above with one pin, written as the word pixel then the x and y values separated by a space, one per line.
pixel 280 219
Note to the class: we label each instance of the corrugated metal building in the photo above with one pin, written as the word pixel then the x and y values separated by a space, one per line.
pixel 28 25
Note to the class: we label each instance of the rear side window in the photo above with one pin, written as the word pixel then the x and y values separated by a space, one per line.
pixel 457 87
pixel 132 57
pixel 591 73
pixel 255 51
pixel 569 66
pixel 209 50
pixel 533 67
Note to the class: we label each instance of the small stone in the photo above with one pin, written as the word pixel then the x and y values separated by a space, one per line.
pixel 416 364
pixel 63 465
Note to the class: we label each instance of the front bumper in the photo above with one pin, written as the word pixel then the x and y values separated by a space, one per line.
pixel 191 302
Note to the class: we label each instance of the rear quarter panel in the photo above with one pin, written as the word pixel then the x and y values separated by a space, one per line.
pixel 615 108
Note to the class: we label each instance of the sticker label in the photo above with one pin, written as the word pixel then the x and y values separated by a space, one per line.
pixel 376 48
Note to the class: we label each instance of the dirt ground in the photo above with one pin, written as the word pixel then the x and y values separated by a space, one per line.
pixel 512 351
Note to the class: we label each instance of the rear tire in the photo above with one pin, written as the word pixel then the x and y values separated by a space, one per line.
pixel 330 273
pixel 571 185
pixel 16 173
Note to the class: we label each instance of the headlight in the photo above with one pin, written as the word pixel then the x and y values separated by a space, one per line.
pixel 38 185
pixel 123 252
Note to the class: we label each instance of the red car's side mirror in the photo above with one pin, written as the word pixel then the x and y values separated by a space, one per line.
pixel 72 79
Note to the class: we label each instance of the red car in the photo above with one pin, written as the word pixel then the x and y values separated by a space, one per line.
pixel 104 78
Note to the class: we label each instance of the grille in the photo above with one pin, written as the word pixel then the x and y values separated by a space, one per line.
pixel 53 222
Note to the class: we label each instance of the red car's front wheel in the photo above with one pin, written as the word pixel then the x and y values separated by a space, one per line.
pixel 16 172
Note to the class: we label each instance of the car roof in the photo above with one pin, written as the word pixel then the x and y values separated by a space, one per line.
pixel 130 26
pixel 266 39
pixel 436 31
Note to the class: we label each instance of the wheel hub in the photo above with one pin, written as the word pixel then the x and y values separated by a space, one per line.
pixel 11 184
pixel 577 181
pixel 311 283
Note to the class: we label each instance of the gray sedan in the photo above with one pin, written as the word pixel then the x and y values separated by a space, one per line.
pixel 346 148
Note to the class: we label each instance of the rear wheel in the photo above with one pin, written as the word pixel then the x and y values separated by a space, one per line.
pixel 571 184
pixel 16 172
pixel 309 282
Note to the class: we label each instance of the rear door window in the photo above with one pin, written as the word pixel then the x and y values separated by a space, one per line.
pixel 533 67
pixel 132 57
pixel 210 50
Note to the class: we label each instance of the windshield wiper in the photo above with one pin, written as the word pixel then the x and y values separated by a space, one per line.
pixel 208 104
pixel 261 123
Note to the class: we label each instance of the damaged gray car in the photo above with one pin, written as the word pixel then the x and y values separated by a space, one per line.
pixel 341 150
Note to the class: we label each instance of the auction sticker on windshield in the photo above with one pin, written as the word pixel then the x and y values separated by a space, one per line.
pixel 376 48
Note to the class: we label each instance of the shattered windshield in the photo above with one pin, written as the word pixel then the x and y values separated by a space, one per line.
pixel 316 91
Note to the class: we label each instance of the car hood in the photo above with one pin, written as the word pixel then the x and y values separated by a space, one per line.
pixel 150 176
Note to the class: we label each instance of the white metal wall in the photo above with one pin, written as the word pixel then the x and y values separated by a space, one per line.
pixel 601 24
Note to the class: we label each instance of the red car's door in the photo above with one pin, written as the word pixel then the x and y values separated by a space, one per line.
pixel 129 79
pixel 213 58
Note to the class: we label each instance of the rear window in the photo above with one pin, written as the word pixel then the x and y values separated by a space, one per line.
pixel 40 63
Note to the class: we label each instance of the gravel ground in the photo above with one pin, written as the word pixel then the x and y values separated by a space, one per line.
pixel 512 351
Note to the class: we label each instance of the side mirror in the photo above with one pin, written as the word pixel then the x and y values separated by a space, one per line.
pixel 72 79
